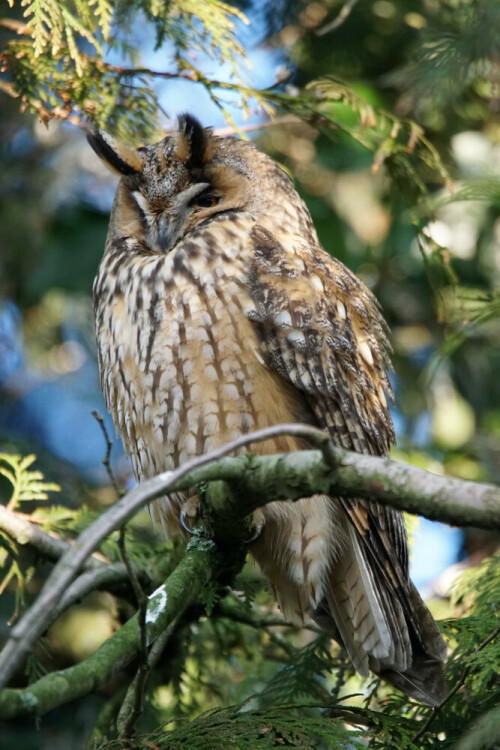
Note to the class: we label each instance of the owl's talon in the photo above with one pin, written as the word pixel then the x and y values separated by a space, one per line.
pixel 255 535
pixel 182 521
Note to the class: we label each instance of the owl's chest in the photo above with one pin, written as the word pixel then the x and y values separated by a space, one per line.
pixel 180 364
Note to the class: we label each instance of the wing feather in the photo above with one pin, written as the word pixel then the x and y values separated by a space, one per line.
pixel 321 329
pixel 312 321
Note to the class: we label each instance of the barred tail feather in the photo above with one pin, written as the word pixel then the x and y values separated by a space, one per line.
pixel 353 601
pixel 316 564
pixel 400 642
pixel 294 552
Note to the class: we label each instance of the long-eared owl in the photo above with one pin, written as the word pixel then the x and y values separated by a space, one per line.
pixel 217 313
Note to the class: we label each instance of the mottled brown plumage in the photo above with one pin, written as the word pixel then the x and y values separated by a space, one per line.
pixel 218 313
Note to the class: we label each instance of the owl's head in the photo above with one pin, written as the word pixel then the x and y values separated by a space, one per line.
pixel 189 177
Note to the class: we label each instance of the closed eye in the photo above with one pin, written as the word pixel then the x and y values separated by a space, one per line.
pixel 206 200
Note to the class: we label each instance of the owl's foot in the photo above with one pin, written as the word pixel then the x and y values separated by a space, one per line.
pixel 257 525
pixel 254 537
pixel 183 523
pixel 190 513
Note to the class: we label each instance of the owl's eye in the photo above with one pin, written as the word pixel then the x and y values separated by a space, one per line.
pixel 206 200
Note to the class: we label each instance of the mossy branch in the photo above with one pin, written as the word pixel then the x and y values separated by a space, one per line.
pixel 253 480
pixel 164 605
pixel 96 573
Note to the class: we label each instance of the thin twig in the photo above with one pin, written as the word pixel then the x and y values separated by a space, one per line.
pixel 105 461
pixel 260 126
pixel 259 621
pixel 142 71
pixel 351 716
pixel 131 570
pixel 344 665
pixel 136 707
pixel 282 643
pixel 344 13
pixel 455 688
pixel 135 688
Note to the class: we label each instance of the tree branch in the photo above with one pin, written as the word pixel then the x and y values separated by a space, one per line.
pixel 330 470
pixel 344 13
pixel 127 714
pixel 128 724
pixel 24 532
pixel 35 621
pixel 105 577
pixel 96 573
pixel 164 605
pixel 237 613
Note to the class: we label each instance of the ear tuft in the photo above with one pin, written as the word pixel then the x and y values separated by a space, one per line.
pixel 193 138
pixel 117 156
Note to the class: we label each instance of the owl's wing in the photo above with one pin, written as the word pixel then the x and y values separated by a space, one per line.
pixel 321 328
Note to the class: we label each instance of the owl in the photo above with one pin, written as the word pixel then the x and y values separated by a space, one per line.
pixel 217 313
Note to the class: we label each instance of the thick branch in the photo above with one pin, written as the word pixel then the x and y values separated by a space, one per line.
pixel 106 577
pixel 25 532
pixel 96 573
pixel 35 621
pixel 260 479
pixel 295 475
pixel 181 588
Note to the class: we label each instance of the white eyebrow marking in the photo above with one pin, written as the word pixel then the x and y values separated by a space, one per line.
pixel 142 203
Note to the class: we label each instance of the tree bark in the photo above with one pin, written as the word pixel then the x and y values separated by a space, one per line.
pixel 250 481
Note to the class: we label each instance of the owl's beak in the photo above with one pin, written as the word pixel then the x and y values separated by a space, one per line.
pixel 171 223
